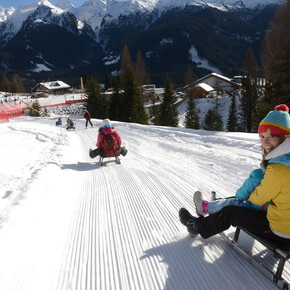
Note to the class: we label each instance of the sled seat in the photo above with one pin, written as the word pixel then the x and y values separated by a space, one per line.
pixel 282 253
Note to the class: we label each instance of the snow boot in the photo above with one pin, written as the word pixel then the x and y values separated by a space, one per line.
pixel 95 152
pixel 123 151
pixel 189 221
pixel 198 202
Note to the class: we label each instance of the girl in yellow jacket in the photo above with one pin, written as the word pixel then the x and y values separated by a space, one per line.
pixel 273 189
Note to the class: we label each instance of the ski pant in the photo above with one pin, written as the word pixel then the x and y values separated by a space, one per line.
pixel 252 220
pixel 88 121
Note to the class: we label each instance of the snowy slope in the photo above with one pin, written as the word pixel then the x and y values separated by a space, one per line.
pixel 67 223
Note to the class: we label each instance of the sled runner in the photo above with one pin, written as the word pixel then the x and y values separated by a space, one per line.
pixel 102 160
pixel 281 253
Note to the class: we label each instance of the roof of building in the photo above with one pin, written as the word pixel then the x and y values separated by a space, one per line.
pixel 55 85
pixel 221 77
pixel 205 87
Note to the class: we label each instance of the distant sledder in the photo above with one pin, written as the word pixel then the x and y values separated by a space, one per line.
pixel 58 122
pixel 108 143
pixel 70 124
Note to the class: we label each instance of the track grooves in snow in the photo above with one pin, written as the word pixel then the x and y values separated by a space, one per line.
pixel 116 227
pixel 125 231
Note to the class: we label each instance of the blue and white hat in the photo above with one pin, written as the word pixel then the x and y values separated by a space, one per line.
pixel 106 123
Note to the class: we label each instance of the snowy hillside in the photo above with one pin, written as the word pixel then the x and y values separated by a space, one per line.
pixel 68 223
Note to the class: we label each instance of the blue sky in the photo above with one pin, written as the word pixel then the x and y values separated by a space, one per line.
pixel 17 3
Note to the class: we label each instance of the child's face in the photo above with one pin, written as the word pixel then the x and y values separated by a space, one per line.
pixel 269 141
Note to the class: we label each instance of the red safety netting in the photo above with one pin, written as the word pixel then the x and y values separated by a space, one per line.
pixel 16 108
pixel 3 118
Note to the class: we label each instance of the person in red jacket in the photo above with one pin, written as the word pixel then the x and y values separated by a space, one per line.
pixel 107 129
pixel 87 116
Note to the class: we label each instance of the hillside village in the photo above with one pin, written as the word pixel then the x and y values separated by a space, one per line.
pixel 60 98
pixel 130 96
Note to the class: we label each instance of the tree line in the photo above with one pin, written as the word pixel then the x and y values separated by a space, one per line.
pixel 246 110
pixel 126 101
pixel 15 85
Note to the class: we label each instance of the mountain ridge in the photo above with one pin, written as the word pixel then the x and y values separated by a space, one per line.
pixel 217 33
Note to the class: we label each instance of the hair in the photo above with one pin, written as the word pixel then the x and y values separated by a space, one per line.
pixel 264 154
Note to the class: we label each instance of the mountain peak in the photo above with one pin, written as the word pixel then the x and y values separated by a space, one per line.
pixel 5 13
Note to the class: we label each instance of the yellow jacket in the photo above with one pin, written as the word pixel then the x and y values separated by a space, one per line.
pixel 275 188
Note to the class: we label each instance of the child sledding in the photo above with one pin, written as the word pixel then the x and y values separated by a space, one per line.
pixel 70 124
pixel 58 122
pixel 108 143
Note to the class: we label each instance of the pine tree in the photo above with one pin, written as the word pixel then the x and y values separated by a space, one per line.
pixel 276 54
pixel 97 103
pixel 192 120
pixel 36 109
pixel 17 84
pixel 251 66
pixel 248 104
pixel 86 78
pixel 266 104
pixel 141 72
pixel 126 62
pixel 189 76
pixel 210 120
pixel 117 110
pixel 107 81
pixel 168 109
pixel 232 122
pixel 155 117
pixel 4 83
pixel 133 99
pixel 213 121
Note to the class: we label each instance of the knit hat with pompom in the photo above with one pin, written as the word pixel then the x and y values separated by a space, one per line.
pixel 277 122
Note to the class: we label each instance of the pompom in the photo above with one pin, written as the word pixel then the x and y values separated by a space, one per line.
pixel 282 107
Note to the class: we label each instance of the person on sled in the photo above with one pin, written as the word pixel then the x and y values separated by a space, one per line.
pixel 70 124
pixel 58 122
pixel 105 130
pixel 272 188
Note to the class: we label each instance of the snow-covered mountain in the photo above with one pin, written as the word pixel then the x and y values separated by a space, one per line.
pixel 39 11
pixel 91 37
pixel 5 13
pixel 93 11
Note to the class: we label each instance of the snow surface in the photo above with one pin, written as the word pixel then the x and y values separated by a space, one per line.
pixel 68 223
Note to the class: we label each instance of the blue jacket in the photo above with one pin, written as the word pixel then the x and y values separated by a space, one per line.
pixel 250 184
